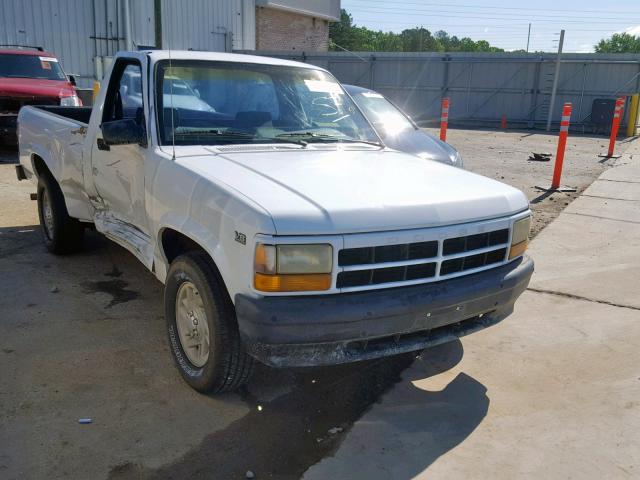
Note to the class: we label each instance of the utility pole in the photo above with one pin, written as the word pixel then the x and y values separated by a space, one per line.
pixel 528 38
pixel 157 18
pixel 128 36
pixel 556 76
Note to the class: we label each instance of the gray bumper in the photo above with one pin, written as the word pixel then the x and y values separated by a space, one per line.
pixel 331 329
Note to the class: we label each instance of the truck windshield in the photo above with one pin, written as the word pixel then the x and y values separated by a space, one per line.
pixel 213 103
pixel 30 66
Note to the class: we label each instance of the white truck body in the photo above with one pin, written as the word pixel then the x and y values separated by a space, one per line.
pixel 228 198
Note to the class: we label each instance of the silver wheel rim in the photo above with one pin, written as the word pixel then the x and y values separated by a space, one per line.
pixel 191 321
pixel 47 214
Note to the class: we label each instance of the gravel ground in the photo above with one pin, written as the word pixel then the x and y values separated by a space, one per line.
pixel 503 155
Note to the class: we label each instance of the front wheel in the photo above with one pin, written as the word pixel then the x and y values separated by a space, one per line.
pixel 202 327
pixel 61 233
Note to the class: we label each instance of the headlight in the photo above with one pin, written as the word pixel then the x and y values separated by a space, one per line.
pixel 456 159
pixel 520 237
pixel 293 268
pixel 72 101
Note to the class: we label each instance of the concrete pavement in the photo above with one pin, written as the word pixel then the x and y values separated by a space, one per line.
pixel 551 392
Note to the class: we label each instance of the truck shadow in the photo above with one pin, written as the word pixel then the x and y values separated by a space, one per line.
pixel 295 418
pixel 282 437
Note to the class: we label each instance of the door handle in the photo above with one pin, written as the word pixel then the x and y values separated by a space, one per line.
pixel 79 131
pixel 102 145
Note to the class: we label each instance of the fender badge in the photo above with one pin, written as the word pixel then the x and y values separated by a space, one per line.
pixel 241 238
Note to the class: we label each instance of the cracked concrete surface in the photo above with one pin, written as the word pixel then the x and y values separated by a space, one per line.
pixel 578 297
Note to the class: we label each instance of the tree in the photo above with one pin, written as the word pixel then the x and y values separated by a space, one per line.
pixel 619 43
pixel 346 34
pixel 419 40
pixel 342 33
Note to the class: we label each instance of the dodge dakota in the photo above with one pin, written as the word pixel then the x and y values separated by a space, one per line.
pixel 282 227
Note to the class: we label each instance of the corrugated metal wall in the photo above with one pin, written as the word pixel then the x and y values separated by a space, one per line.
pixel 208 24
pixel 483 87
pixel 61 26
pixel 78 31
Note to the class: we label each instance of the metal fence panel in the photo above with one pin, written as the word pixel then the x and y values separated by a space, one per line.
pixel 483 87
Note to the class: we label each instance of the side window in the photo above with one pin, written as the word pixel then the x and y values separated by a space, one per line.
pixel 124 98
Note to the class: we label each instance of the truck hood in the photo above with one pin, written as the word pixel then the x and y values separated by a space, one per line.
pixel 309 191
pixel 35 87
pixel 421 144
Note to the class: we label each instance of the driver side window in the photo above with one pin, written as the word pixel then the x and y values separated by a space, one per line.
pixel 124 98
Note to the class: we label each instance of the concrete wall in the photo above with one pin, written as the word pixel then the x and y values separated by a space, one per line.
pixel 483 87
pixel 278 29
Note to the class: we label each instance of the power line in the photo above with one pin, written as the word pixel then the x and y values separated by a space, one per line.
pixel 540 29
pixel 481 17
pixel 415 23
pixel 386 2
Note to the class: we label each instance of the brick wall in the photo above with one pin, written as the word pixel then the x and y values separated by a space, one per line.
pixel 281 30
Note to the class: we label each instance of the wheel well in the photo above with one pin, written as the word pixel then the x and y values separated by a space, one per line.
pixel 40 166
pixel 175 243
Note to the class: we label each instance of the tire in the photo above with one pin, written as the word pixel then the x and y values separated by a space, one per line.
pixel 62 234
pixel 194 289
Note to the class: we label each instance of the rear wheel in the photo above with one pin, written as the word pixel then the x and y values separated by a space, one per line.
pixel 61 233
pixel 202 327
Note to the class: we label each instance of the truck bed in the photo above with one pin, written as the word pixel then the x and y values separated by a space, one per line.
pixel 57 136
pixel 79 114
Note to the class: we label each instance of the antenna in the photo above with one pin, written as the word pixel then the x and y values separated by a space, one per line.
pixel 173 127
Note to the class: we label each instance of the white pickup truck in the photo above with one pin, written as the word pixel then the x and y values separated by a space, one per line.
pixel 282 227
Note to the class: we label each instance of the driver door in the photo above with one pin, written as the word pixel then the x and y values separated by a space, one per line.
pixel 119 170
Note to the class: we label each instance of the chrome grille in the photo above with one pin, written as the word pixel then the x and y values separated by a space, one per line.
pixel 387 253
pixel 423 261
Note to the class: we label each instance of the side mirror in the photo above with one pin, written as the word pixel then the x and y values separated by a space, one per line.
pixel 197 92
pixel 72 80
pixel 123 132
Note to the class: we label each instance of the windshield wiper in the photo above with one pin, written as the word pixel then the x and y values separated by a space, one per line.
pixel 283 140
pixel 215 132
pixel 236 134
pixel 329 138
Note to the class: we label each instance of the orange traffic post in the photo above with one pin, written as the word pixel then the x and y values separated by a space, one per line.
pixel 444 119
pixel 562 145
pixel 615 127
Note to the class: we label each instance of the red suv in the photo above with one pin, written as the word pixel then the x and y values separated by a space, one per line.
pixel 30 76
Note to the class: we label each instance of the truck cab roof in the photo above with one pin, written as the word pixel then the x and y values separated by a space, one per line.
pixel 159 55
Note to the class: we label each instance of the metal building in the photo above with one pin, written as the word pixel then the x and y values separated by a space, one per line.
pixel 84 34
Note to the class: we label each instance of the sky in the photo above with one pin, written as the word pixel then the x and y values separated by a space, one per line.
pixel 505 24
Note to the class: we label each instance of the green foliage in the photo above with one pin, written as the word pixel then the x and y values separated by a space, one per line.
pixel 619 43
pixel 349 36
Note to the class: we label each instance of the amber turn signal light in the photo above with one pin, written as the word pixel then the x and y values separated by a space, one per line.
pixel 292 282
pixel 518 249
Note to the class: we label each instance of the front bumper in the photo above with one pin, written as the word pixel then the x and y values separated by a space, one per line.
pixel 296 331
